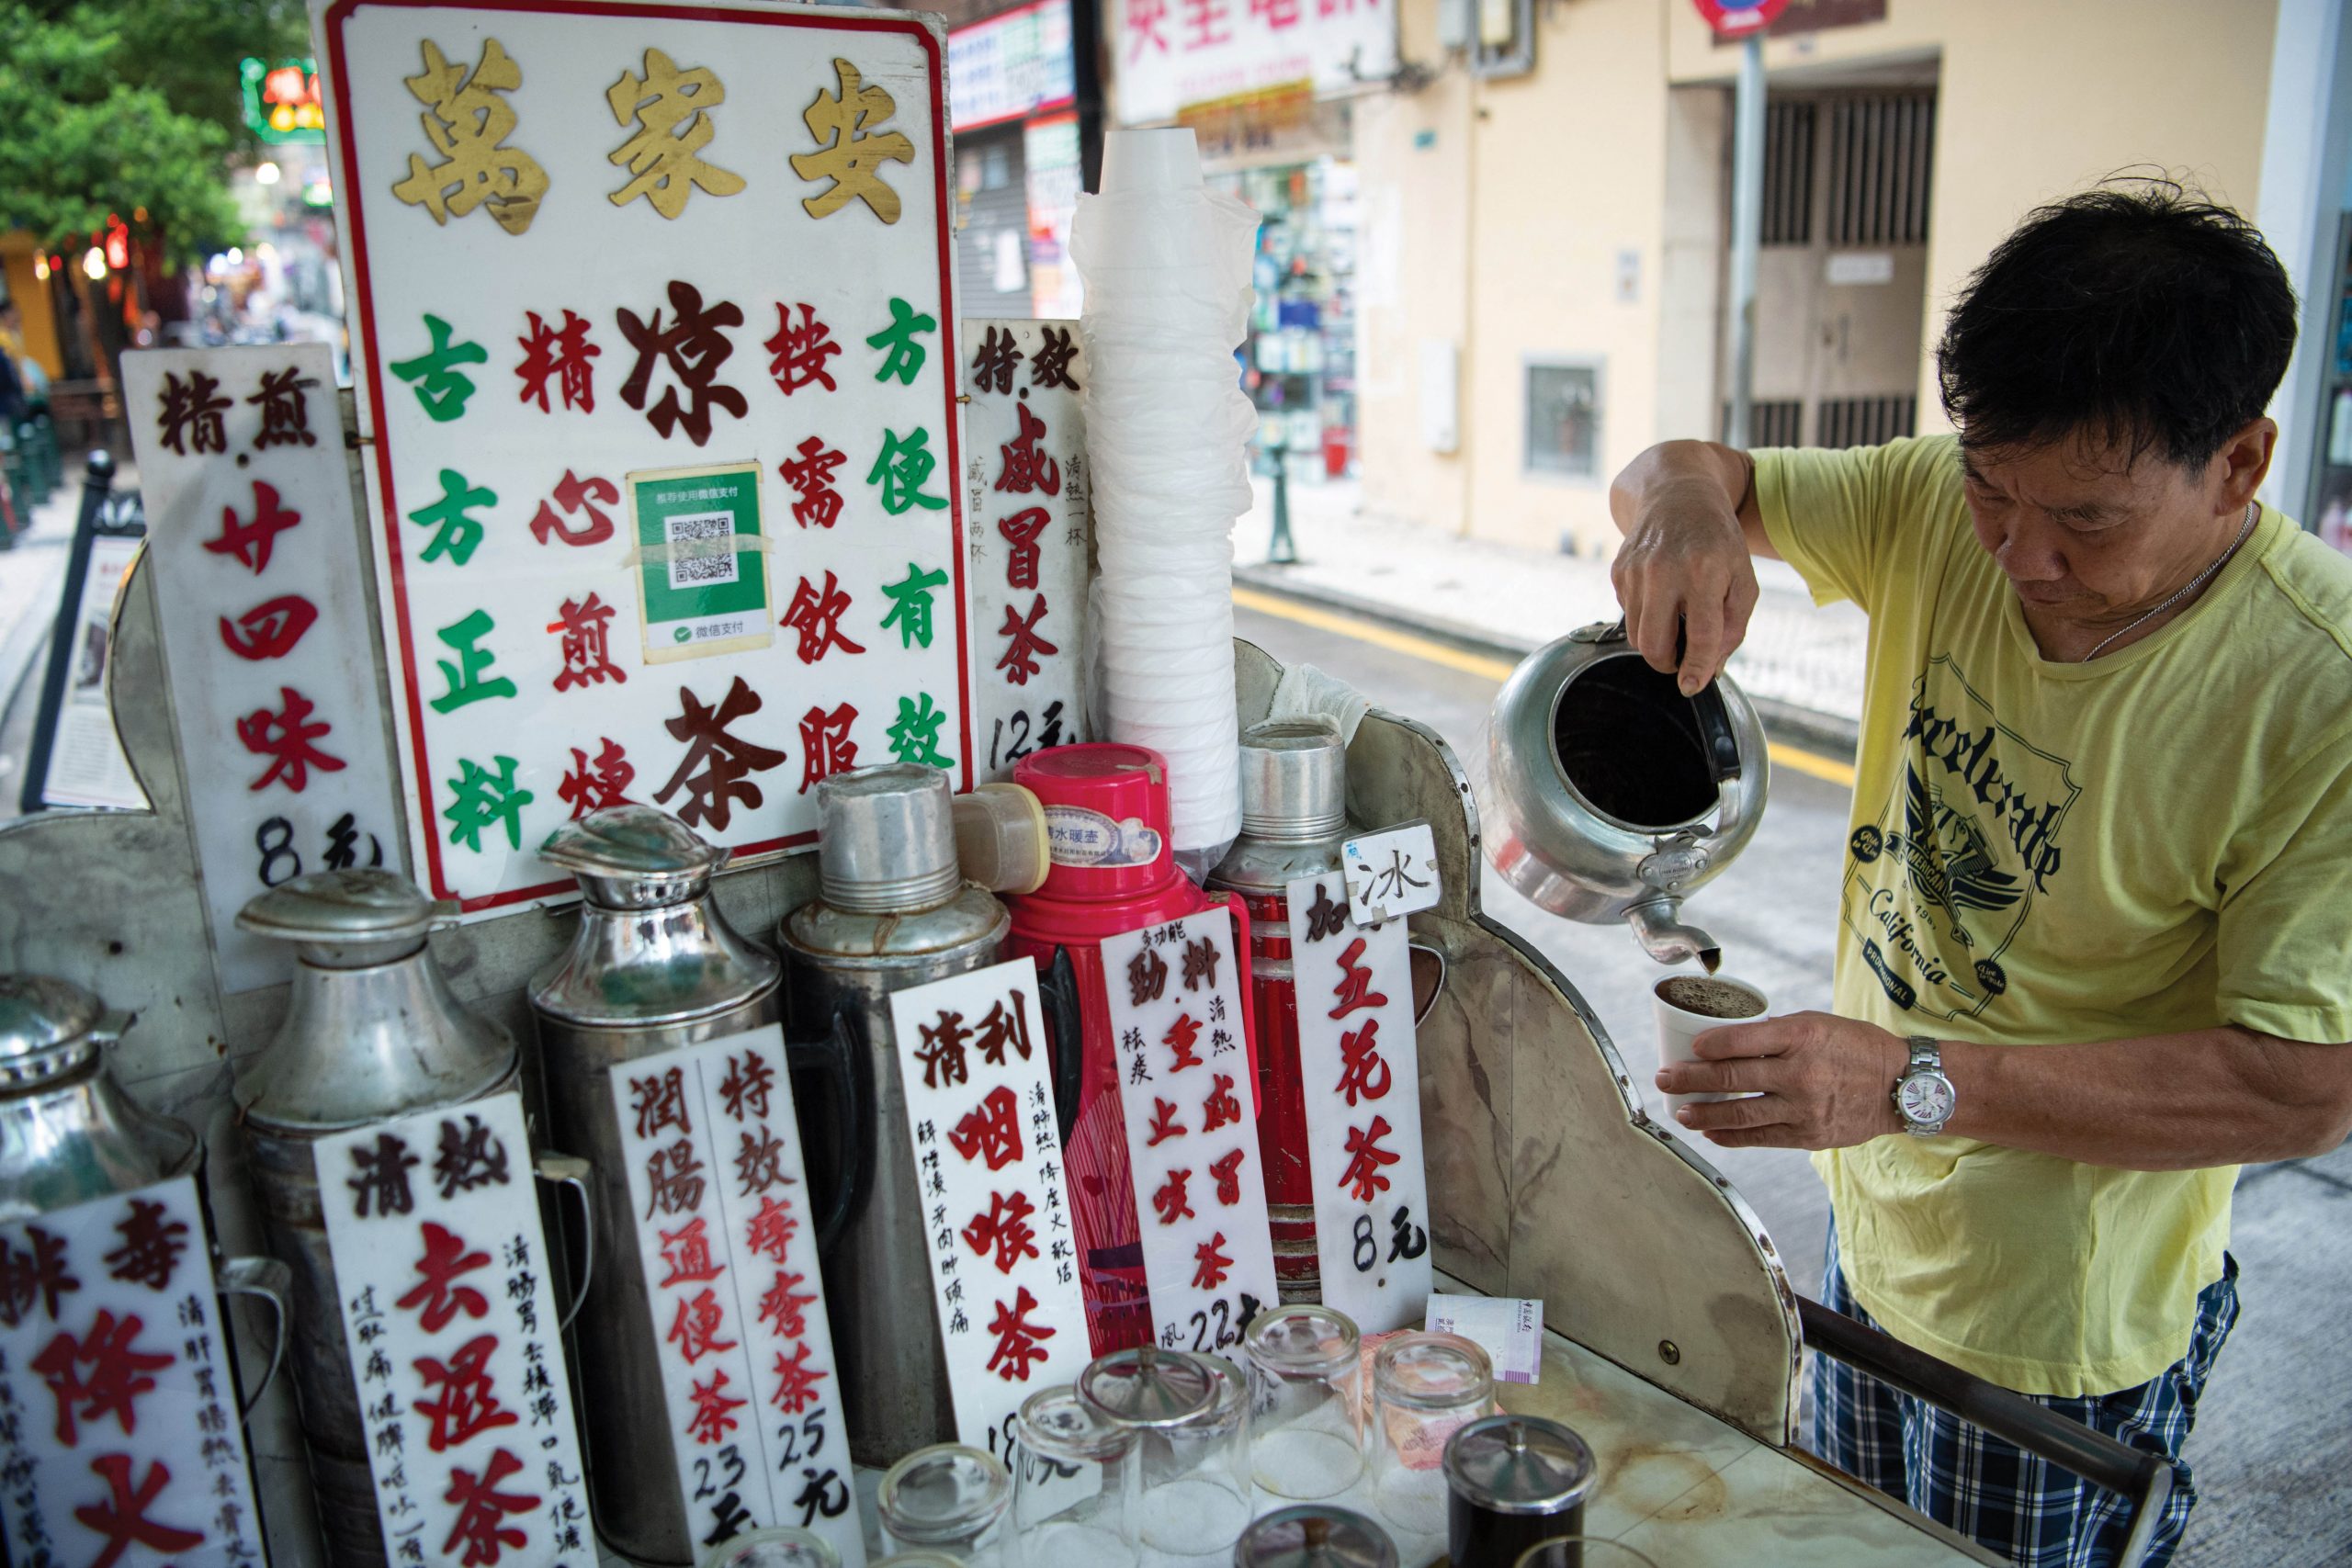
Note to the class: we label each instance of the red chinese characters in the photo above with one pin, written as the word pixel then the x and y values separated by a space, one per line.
pixel 122 1518
pixel 252 542
pixel 800 351
pixel 1026 471
pixel 1019 1343
pixel 587 658
pixel 1210 1263
pixel 1004 1230
pixel 562 355
pixel 117 1373
pixel 270 629
pixel 1023 642
pixel 482 1509
pixel 578 498
pixel 826 747
pixel 1182 1036
pixel 1354 989
pixel 991 1132
pixel 461 1402
pixel 1365 1158
pixel 714 1411
pixel 288 737
pixel 436 1296
pixel 816 615
pixel 1021 531
pixel 1363 1074
pixel 811 480
pixel 591 786
pixel 1169 1198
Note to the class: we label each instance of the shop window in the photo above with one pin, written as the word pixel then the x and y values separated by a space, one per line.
pixel 1564 417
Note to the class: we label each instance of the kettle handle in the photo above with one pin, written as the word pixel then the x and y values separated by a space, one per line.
pixel 1240 910
pixel 1065 1032
pixel 272 1281
pixel 572 1171
pixel 1715 733
pixel 838 1057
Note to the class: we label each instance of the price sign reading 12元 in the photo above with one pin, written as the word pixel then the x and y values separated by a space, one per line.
pixel 655 338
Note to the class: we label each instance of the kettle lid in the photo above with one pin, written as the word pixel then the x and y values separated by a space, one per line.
pixel 344 919
pixel 634 857
pixel 48 1027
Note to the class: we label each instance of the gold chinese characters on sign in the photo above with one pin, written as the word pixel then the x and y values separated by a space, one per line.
pixel 845 148
pixel 672 108
pixel 467 119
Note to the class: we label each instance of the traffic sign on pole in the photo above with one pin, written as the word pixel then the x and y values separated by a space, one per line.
pixel 1739 19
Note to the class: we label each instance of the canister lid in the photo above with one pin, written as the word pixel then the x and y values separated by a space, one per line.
pixel 780 1546
pixel 947 1492
pixel 47 1027
pixel 1146 1386
pixel 1314 1535
pixel 885 840
pixel 1518 1464
pixel 1055 1423
pixel 1293 779
pixel 634 857
pixel 344 919
pixel 1302 1339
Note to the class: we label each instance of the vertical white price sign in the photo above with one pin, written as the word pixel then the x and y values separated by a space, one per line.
pixel 1361 1069
pixel 119 1438
pixel 730 1249
pixel 1192 1115
pixel 268 638
pixel 449 1318
pixel 1025 496
pixel 1004 1264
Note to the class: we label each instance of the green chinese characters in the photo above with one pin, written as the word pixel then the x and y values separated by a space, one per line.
pixel 484 800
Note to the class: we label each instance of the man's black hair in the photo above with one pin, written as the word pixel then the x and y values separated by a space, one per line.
pixel 2138 313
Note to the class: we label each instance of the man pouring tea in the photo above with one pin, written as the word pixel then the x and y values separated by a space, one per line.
pixel 2087 962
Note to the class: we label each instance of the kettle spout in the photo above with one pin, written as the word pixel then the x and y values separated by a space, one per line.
pixel 1666 937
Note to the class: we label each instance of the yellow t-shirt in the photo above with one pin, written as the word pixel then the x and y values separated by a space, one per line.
pixel 2160 839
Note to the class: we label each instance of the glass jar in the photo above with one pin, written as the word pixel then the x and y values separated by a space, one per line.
pixel 1305 1402
pixel 947 1498
pixel 1425 1387
pixel 1315 1536
pixel 781 1547
pixel 1582 1551
pixel 1074 1483
pixel 1515 1481
pixel 1186 1416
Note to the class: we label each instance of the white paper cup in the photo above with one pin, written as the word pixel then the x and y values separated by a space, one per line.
pixel 1679 1026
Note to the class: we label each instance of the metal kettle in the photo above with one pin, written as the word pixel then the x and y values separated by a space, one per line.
pixel 372 1032
pixel 1608 794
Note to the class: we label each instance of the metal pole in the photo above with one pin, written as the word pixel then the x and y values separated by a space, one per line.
pixel 1281 550
pixel 1747 228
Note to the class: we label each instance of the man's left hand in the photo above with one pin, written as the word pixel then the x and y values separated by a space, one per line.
pixel 1816 1082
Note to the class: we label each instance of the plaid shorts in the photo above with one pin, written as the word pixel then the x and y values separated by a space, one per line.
pixel 2032 1512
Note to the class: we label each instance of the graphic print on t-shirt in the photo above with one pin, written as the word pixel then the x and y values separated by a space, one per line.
pixel 1943 883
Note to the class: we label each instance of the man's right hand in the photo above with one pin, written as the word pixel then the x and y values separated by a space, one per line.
pixel 1683 575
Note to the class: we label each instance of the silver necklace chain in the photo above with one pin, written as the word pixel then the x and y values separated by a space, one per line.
pixel 2191 586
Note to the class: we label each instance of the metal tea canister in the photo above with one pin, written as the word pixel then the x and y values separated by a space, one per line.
pixel 372 1032
pixel 654 965
pixel 68 1133
pixel 1314 1535
pixel 892 910
pixel 1293 819
pixel 1107 811
pixel 1514 1482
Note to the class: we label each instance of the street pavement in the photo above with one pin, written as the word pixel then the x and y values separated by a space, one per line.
pixel 2272 1453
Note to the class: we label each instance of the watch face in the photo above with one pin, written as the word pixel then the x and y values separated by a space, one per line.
pixel 1926 1099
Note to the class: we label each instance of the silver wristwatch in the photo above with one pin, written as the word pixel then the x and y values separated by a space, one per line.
pixel 1924 1097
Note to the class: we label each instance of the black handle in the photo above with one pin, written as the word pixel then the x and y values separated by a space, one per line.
pixel 2145 1479
pixel 1715 734
pixel 1065 1034
pixel 837 1058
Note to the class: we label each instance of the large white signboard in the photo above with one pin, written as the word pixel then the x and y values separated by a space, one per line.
pixel 1172 54
pixel 729 1246
pixel 450 1319
pixel 1192 1117
pixel 1026 484
pixel 120 1441
pixel 1003 1263
pixel 1361 1069
pixel 653 330
pixel 268 638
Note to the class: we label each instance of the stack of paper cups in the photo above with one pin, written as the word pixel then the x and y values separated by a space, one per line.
pixel 1167 266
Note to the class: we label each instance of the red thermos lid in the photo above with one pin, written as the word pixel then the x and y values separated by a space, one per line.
pixel 1106 817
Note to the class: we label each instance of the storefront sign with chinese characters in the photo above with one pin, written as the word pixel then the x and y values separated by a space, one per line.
pixel 449 1316
pixel 268 636
pixel 593 248
pixel 729 1250
pixel 121 1442
pixel 989 1160
pixel 1192 1114
pixel 1010 65
pixel 1361 1066
pixel 1025 495
pixel 1172 54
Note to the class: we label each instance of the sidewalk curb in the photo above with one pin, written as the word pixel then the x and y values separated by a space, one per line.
pixel 1826 735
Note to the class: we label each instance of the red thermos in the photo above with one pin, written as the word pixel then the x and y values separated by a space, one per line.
pixel 1113 871
pixel 1293 819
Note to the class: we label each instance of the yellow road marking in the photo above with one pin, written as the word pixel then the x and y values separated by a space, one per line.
pixel 1830 770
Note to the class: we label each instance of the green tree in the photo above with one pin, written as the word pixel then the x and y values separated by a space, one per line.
pixel 115 106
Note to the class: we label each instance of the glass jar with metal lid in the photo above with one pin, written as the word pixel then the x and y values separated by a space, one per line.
pixel 1314 1535
pixel 1514 1481
pixel 1074 1485
pixel 782 1547
pixel 653 966
pixel 371 1031
pixel 1306 1400
pixel 1186 1417
pixel 948 1499
pixel 1425 1387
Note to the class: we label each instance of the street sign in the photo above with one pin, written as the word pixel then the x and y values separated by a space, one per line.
pixel 1737 18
